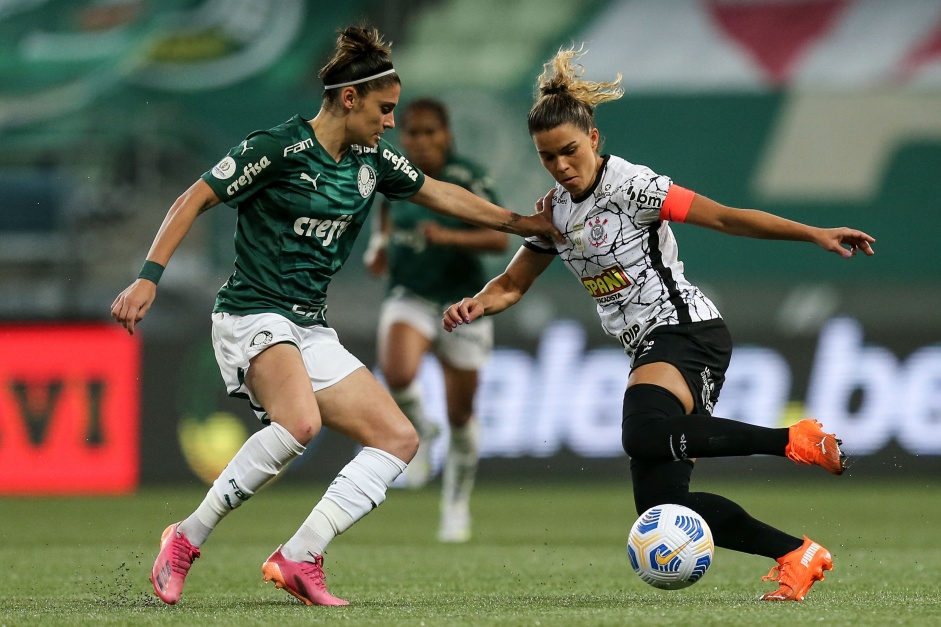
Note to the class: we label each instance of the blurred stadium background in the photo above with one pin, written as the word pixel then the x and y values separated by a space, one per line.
pixel 825 111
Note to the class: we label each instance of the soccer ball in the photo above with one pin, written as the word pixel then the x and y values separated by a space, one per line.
pixel 670 547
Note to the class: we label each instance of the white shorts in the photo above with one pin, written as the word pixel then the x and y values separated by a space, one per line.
pixel 237 339
pixel 467 347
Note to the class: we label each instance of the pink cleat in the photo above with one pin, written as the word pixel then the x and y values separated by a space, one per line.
pixel 305 580
pixel 173 562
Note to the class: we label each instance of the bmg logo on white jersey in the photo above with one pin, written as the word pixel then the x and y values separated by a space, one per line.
pixel 249 172
pixel 651 199
pixel 325 230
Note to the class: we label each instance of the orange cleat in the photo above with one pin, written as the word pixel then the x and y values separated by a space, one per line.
pixel 808 444
pixel 304 580
pixel 797 571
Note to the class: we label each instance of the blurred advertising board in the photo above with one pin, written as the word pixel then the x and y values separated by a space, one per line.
pixel 69 409
pixel 565 396
pixel 552 406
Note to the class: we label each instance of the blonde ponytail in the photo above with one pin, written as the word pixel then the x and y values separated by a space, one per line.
pixel 564 97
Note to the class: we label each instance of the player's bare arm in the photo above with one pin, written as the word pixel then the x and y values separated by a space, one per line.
pixel 474 240
pixel 501 292
pixel 132 304
pixel 707 213
pixel 485 240
pixel 456 202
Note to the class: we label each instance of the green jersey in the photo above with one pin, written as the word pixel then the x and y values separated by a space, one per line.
pixel 442 274
pixel 299 212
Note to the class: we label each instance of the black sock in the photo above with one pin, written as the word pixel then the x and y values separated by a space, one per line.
pixel 656 483
pixel 656 429
pixel 732 527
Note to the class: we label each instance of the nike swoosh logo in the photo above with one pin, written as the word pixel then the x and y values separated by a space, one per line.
pixel 663 560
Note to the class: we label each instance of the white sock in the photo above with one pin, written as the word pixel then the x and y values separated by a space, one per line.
pixel 261 458
pixel 460 467
pixel 358 489
pixel 409 400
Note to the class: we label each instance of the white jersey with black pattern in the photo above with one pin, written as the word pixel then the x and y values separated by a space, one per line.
pixel 624 255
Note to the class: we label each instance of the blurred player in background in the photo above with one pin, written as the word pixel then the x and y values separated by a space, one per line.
pixel 303 190
pixel 431 261
pixel 615 216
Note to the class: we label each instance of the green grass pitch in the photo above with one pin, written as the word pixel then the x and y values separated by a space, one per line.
pixel 542 554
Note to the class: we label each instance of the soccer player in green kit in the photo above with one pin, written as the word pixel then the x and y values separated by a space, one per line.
pixel 303 190
pixel 432 261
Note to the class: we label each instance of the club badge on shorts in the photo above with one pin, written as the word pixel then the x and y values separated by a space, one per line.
pixel 261 338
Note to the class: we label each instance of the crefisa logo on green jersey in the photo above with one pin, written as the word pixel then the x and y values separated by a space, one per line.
pixel 401 163
pixel 323 229
pixel 249 172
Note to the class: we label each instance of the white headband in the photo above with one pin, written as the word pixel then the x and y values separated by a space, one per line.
pixel 360 80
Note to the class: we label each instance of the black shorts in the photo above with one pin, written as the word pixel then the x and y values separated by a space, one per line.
pixel 700 351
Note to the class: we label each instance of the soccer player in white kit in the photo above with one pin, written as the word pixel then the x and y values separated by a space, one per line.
pixel 303 190
pixel 615 216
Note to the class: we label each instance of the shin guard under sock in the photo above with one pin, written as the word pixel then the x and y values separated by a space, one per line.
pixel 655 428
pixel 656 483
pixel 265 454
pixel 733 528
pixel 460 467
pixel 358 489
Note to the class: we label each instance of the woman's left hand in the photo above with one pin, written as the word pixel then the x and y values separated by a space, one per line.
pixel 543 214
pixel 544 206
pixel 845 241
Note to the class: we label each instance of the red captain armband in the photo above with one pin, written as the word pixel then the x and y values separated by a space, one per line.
pixel 676 204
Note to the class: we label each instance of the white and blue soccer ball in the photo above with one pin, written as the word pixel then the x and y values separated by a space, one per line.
pixel 670 547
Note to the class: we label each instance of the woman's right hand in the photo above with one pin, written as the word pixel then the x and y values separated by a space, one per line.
pixel 464 312
pixel 132 304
